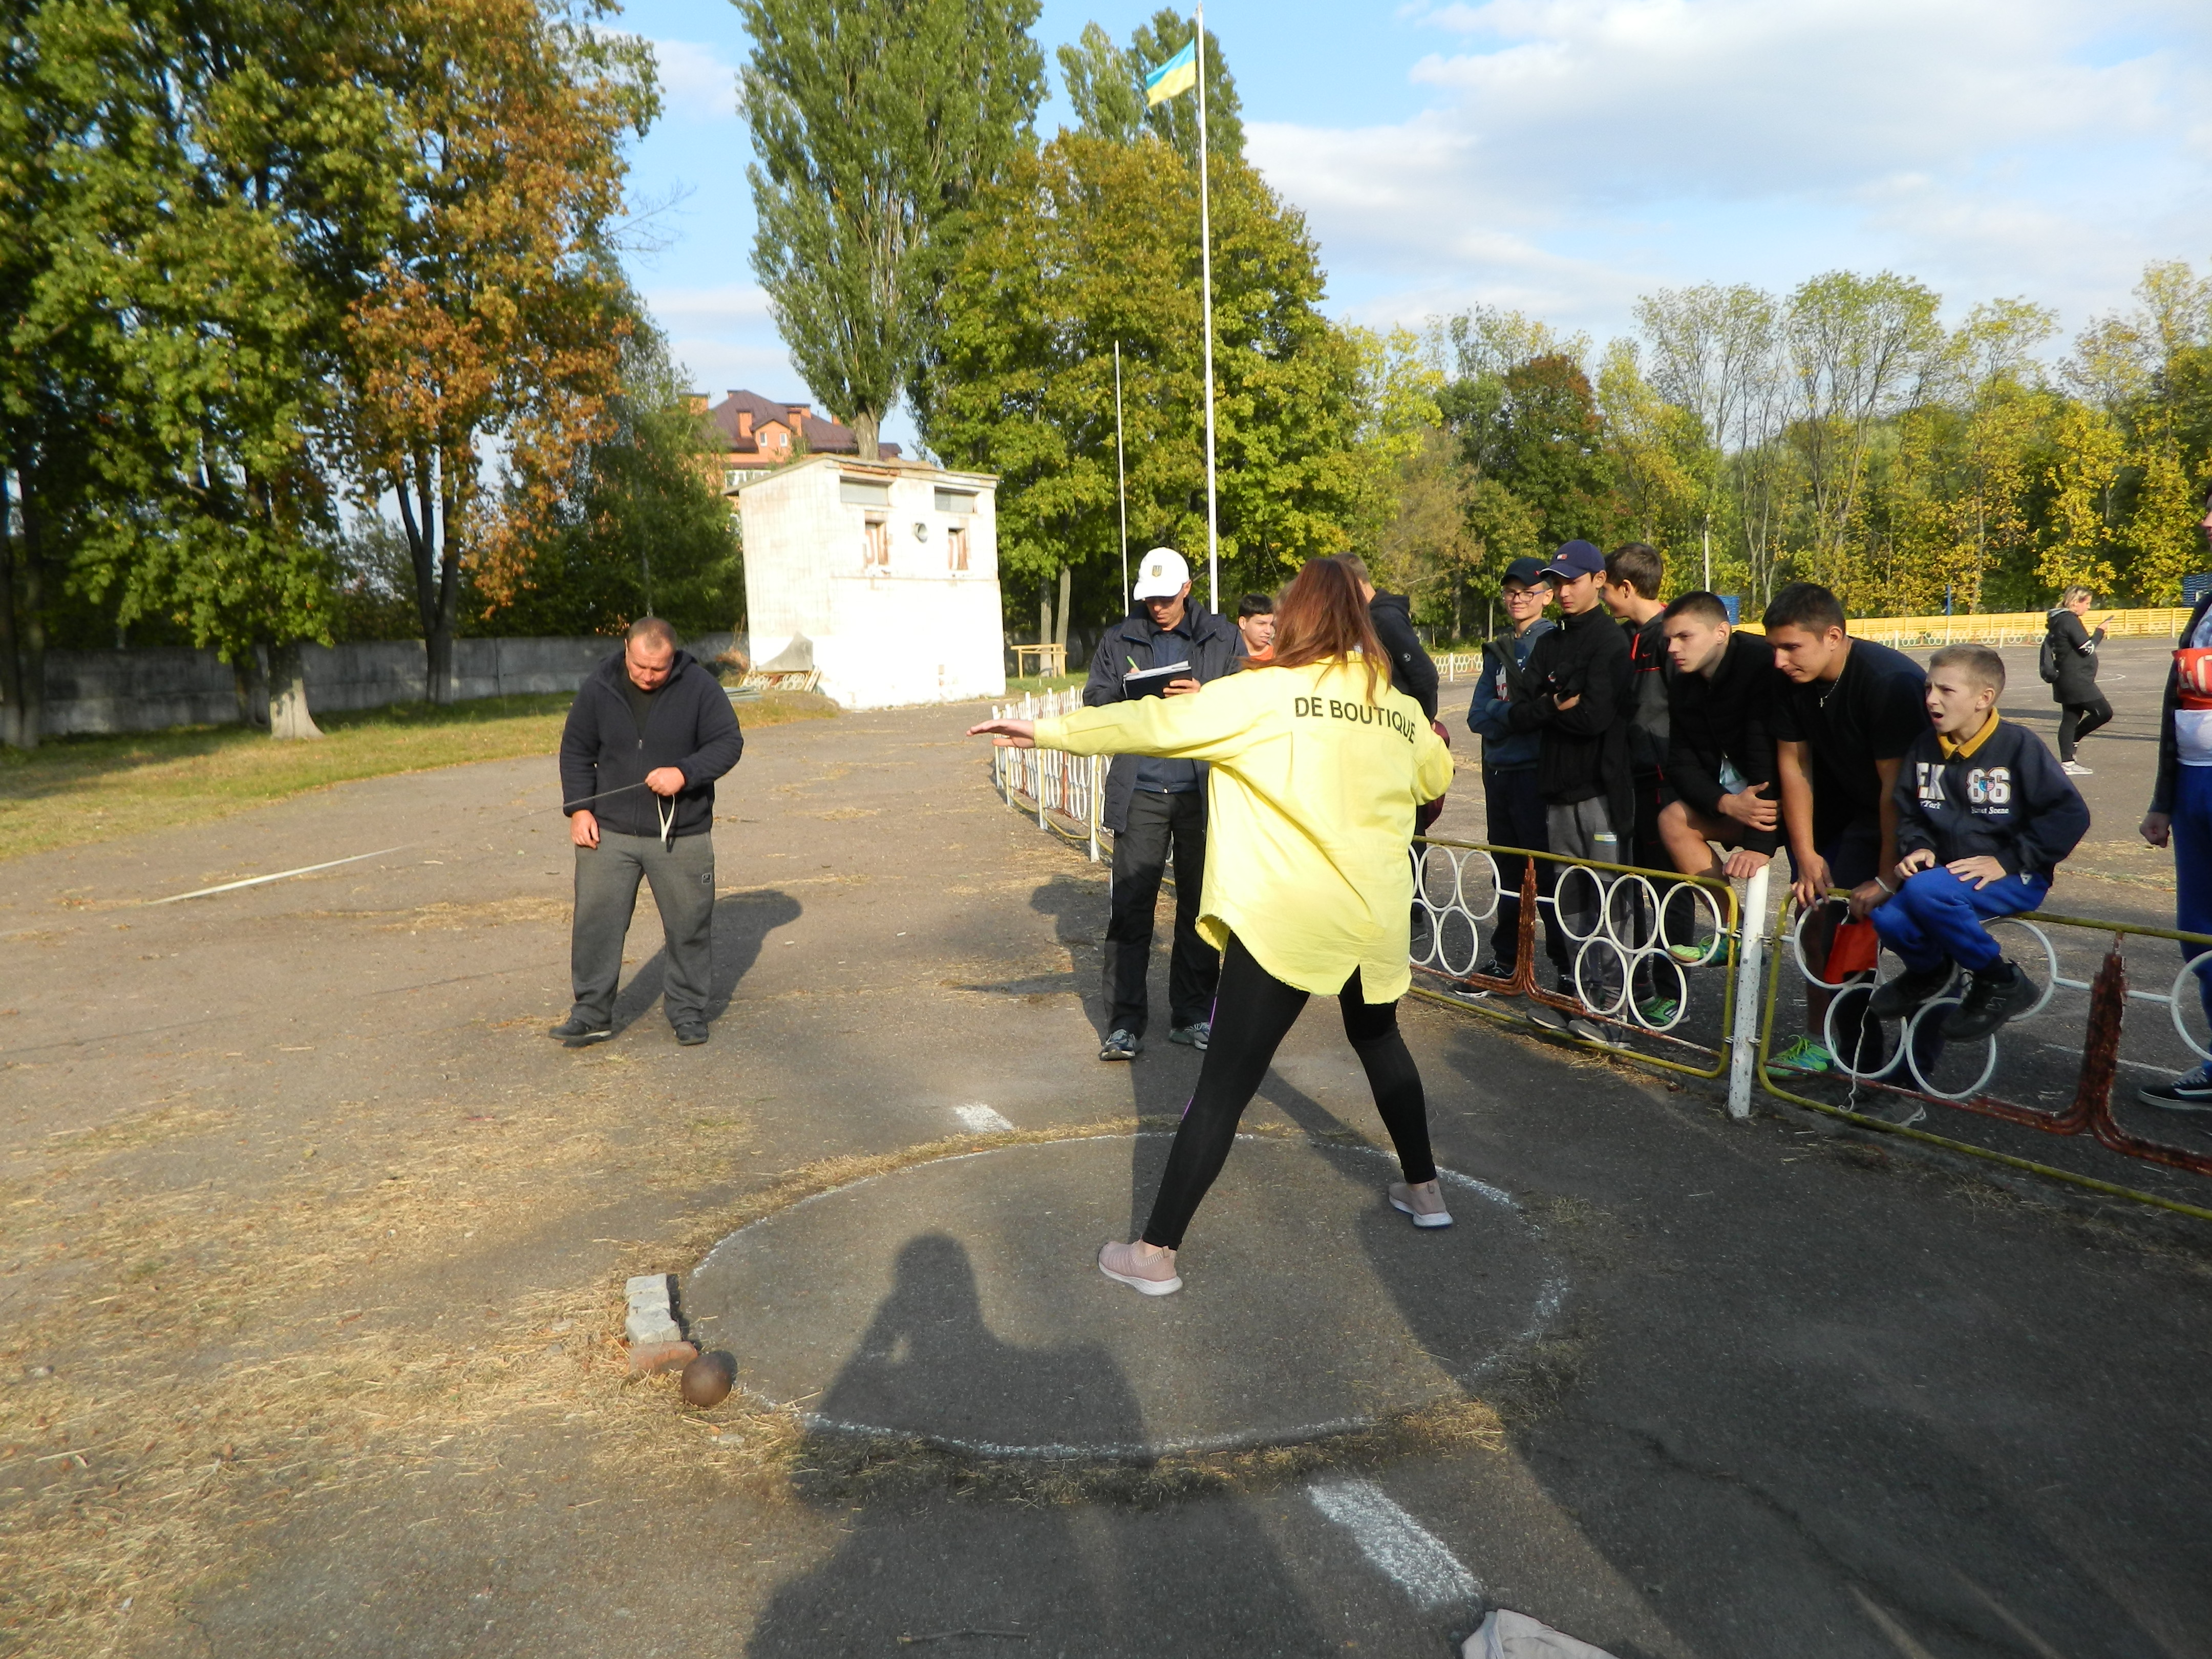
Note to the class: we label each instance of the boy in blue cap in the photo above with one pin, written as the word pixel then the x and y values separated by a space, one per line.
pixel 1985 816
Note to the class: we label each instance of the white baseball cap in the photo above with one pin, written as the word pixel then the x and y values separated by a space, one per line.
pixel 1162 574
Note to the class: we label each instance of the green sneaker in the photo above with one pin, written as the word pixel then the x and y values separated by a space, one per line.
pixel 1657 1011
pixel 1697 956
pixel 1802 1055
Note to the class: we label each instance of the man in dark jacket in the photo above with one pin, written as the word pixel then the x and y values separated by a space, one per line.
pixel 1720 759
pixel 649 733
pixel 2069 650
pixel 1512 808
pixel 1412 669
pixel 1633 576
pixel 1152 803
pixel 1574 695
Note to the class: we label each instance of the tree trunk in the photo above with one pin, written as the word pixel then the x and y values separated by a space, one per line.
pixel 11 665
pixel 31 643
pixel 440 641
pixel 1059 627
pixel 1044 613
pixel 867 427
pixel 251 688
pixel 288 694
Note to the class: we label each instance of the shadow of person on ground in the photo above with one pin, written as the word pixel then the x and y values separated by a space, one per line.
pixel 743 922
pixel 921 1563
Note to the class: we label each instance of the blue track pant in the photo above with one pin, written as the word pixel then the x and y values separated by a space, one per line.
pixel 2192 866
pixel 1937 917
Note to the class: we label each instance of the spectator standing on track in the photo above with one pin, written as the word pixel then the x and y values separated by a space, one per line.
pixel 1720 755
pixel 1512 807
pixel 2069 665
pixel 1633 576
pixel 1841 729
pixel 1573 695
pixel 649 733
pixel 1412 669
pixel 1153 803
pixel 2181 811
pixel 1319 768
pixel 1255 621
pixel 1984 817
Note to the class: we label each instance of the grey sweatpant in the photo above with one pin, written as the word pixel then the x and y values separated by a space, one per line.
pixel 683 878
pixel 1582 830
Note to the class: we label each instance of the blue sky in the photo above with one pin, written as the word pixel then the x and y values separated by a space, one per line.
pixel 1564 156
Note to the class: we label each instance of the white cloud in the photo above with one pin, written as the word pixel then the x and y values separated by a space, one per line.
pixel 1578 152
pixel 695 83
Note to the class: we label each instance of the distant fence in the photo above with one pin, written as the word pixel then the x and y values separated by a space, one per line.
pixel 1908 633
pixel 145 690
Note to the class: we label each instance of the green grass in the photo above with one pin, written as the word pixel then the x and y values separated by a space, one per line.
pixel 71 792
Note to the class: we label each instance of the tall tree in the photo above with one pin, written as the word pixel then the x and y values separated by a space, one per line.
pixel 494 319
pixel 1105 87
pixel 874 124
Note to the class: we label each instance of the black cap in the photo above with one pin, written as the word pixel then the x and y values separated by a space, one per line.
pixel 1526 572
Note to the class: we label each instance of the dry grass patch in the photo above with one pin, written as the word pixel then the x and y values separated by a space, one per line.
pixel 72 792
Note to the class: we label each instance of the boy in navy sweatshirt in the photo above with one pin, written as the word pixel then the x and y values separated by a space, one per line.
pixel 1984 817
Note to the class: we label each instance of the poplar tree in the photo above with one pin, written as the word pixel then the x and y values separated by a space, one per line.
pixel 874 124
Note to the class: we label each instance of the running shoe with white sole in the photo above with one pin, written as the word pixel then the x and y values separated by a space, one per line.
pixel 1803 1055
pixel 2189 1093
pixel 2076 769
pixel 1118 1263
pixel 1119 1044
pixel 1196 1035
pixel 1403 1201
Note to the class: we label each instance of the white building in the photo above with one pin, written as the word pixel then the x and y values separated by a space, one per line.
pixel 882 574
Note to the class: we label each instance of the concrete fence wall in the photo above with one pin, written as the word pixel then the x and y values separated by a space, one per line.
pixel 144 690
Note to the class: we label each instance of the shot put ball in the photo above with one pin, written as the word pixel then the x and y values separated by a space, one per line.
pixel 705 1381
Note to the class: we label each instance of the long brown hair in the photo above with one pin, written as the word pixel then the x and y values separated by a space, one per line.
pixel 1322 617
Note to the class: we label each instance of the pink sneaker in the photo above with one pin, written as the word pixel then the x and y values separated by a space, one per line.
pixel 1425 1203
pixel 1154 1276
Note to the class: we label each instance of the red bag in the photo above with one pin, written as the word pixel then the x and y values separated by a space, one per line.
pixel 2192 673
pixel 1854 950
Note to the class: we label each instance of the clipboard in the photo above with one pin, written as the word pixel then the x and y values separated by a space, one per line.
pixel 1153 682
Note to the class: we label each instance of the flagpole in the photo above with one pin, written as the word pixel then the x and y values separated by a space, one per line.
pixel 1120 477
pixel 1206 278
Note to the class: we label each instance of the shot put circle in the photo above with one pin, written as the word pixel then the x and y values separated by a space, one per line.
pixel 958 1302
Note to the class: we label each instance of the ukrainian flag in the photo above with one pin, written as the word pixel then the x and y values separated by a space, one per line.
pixel 1178 74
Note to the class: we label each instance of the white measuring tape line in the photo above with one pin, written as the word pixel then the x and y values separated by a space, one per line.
pixel 665 811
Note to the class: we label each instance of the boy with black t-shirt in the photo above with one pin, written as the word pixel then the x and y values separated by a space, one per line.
pixel 1984 817
pixel 1850 710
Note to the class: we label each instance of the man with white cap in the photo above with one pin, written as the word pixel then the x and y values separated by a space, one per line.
pixel 1151 804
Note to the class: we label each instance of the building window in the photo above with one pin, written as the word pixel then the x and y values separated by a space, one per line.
pixel 955 548
pixel 876 546
pixel 955 501
pixel 730 478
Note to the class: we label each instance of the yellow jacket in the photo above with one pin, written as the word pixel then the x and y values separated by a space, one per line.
pixel 1310 804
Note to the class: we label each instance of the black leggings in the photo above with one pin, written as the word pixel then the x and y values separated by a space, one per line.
pixel 2077 720
pixel 1253 1012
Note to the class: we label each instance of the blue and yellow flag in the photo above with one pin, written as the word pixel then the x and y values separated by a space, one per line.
pixel 1178 74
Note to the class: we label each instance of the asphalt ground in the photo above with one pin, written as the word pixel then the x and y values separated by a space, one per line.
pixel 314 1248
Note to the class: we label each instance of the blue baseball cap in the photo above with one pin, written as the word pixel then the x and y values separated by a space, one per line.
pixel 1575 559
pixel 1526 572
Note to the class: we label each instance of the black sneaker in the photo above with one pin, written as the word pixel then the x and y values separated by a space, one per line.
pixel 577 1033
pixel 691 1033
pixel 2192 1093
pixel 1494 969
pixel 1196 1035
pixel 1993 996
pixel 1903 994
pixel 1120 1045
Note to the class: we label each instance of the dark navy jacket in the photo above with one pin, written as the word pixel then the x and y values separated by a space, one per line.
pixel 1488 716
pixel 1214 649
pixel 690 726
pixel 2007 799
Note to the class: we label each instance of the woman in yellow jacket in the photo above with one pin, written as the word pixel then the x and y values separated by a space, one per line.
pixel 1316 767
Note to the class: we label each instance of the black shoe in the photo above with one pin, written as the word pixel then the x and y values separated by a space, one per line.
pixel 1993 996
pixel 2190 1093
pixel 1119 1045
pixel 1903 995
pixel 578 1033
pixel 691 1033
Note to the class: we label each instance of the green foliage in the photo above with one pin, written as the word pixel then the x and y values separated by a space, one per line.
pixel 874 124
pixel 1093 242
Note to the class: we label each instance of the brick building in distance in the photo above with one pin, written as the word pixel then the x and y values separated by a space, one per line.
pixel 759 433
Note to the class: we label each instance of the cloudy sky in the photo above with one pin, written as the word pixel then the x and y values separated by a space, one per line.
pixel 1564 156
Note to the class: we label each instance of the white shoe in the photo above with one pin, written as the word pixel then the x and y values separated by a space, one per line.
pixel 1402 1201
pixel 1118 1263
pixel 1603 1037
pixel 2076 769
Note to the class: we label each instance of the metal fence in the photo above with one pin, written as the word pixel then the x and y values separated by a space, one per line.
pixel 1687 975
